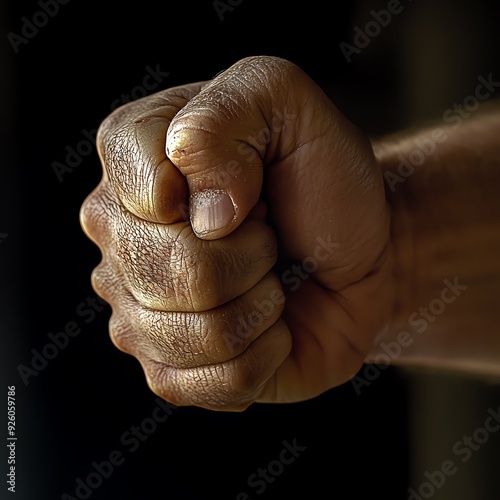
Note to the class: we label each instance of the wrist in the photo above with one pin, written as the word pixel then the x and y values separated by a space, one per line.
pixel 445 238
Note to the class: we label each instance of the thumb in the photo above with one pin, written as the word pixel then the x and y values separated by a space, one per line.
pixel 223 136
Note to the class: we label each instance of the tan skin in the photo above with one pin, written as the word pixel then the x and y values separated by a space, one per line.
pixel 305 188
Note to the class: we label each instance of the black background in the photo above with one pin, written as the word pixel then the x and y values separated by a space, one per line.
pixel 76 409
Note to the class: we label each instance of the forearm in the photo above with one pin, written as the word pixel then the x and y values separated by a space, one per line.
pixel 443 187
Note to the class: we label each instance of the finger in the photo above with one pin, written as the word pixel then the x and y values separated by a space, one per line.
pixel 127 339
pixel 191 339
pixel 221 137
pixel 229 386
pixel 167 267
pixel 131 146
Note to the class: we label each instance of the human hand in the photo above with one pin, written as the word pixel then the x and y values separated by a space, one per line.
pixel 201 303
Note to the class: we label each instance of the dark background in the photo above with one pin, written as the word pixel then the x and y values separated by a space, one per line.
pixel 77 408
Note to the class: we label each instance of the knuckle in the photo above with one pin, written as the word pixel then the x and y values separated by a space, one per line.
pixel 126 337
pixel 109 130
pixel 103 281
pixel 121 153
pixel 86 215
pixel 118 152
pixel 97 213
pixel 118 331
pixel 162 381
pixel 89 219
pixel 205 386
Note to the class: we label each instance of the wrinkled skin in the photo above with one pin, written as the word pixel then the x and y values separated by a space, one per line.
pixel 201 303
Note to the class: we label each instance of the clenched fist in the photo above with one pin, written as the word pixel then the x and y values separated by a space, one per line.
pixel 245 238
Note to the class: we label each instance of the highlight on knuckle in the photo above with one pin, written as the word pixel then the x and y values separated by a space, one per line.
pixel 97 213
pixel 118 332
pixel 103 281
